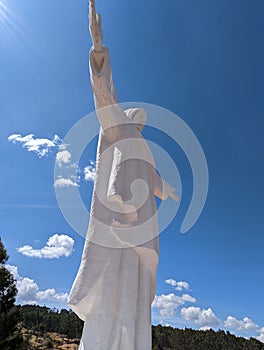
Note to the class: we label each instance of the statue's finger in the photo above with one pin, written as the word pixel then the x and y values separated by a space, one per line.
pixel 98 19
pixel 92 11
pixel 92 3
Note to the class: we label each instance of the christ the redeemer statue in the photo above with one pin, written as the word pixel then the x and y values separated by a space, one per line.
pixel 115 285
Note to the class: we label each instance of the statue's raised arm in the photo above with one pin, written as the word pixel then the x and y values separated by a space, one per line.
pixel 101 77
pixel 95 27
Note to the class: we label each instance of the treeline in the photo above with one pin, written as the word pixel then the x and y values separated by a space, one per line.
pixel 42 319
pixel 168 338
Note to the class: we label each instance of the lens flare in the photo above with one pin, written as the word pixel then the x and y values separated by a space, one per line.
pixel 10 25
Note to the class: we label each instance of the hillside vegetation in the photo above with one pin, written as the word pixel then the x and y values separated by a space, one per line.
pixel 45 328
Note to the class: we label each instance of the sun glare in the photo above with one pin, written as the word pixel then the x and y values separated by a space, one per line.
pixel 10 28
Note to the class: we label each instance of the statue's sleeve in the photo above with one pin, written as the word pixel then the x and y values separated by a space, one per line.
pixel 109 112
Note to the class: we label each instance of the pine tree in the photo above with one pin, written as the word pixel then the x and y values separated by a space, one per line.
pixel 10 336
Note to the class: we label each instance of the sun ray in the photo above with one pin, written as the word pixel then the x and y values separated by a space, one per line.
pixel 11 27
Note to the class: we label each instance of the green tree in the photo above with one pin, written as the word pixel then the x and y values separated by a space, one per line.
pixel 10 336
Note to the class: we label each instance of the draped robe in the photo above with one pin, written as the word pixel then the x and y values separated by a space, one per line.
pixel 115 285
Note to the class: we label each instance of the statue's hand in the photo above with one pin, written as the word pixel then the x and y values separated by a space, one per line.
pixel 174 196
pixel 171 192
pixel 95 27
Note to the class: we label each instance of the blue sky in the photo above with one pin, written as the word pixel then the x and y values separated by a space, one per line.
pixel 203 60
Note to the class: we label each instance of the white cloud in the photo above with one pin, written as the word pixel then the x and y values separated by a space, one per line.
pixel 89 171
pixel 56 247
pixel 199 316
pixel 63 158
pixel 14 270
pixel 29 293
pixel 178 285
pixel 167 304
pixel 62 182
pixel 51 294
pixel 182 285
pixel 63 146
pixel 240 325
pixel 187 297
pixel 261 334
pixel 172 282
pixel 40 146
pixel 205 328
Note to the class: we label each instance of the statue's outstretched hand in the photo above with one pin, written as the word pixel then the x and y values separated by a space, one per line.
pixel 174 196
pixel 95 27
pixel 171 192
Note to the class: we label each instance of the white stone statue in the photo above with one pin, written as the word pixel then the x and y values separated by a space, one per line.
pixel 116 281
